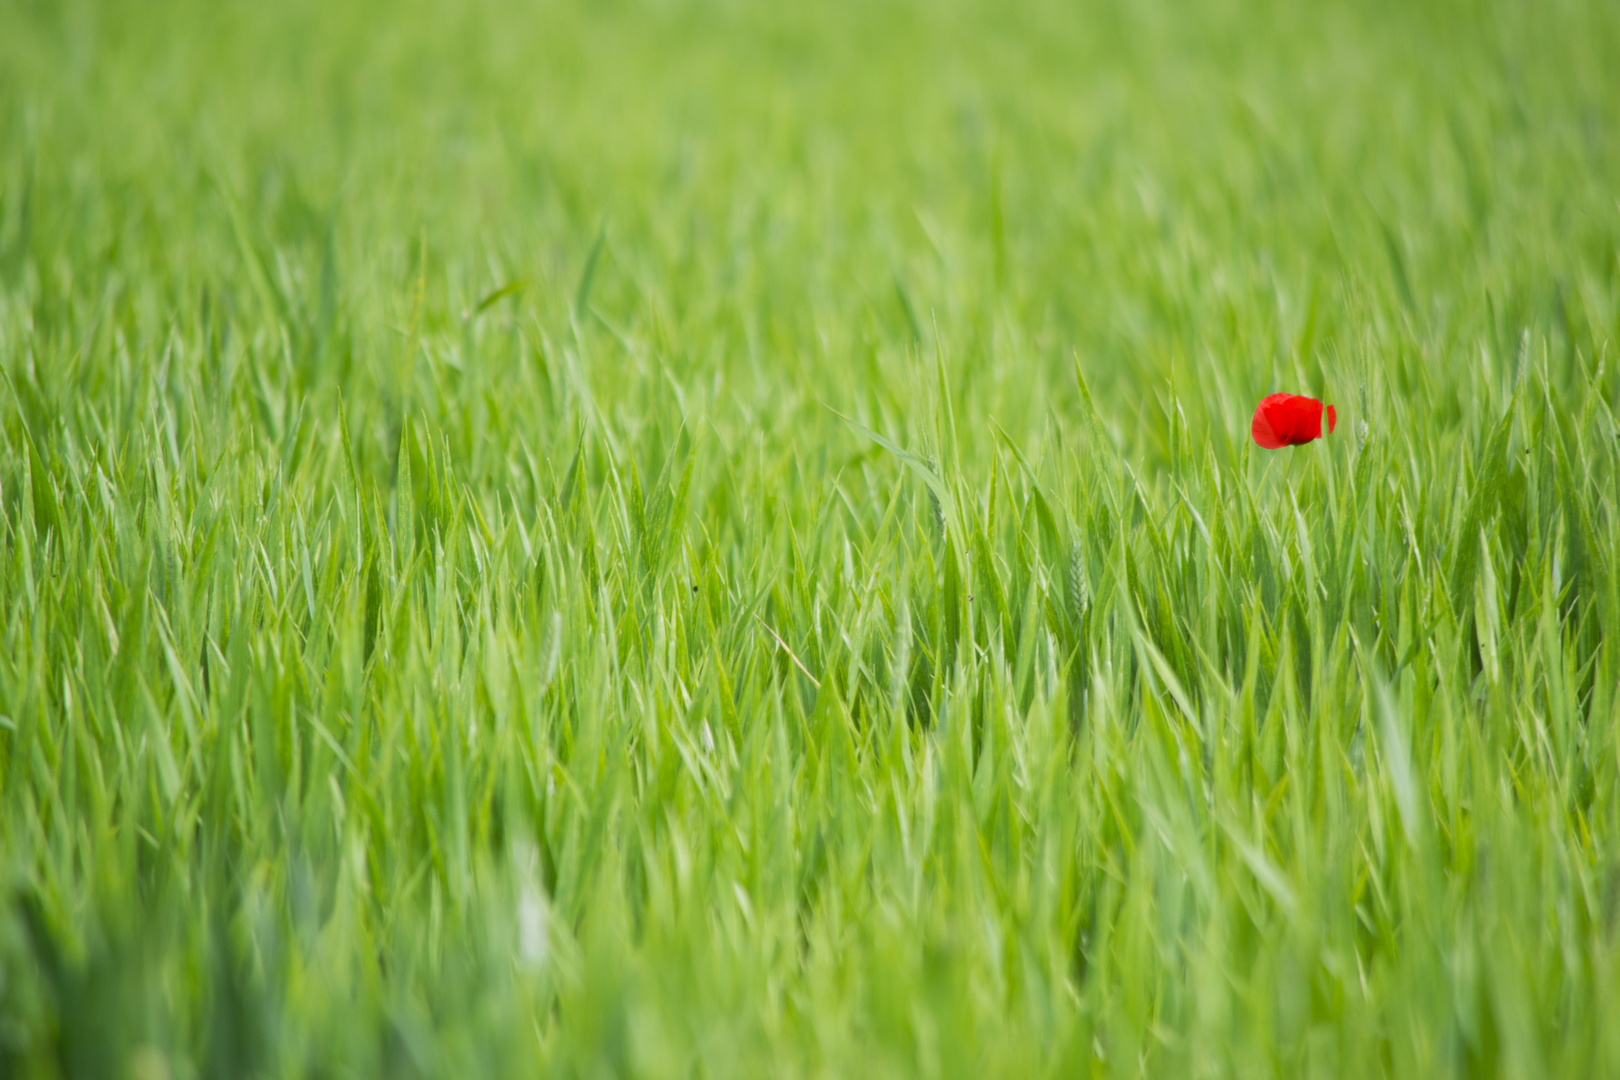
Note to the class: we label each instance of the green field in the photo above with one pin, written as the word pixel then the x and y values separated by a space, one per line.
pixel 654 539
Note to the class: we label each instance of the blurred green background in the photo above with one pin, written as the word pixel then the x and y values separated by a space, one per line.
pixel 1220 195
pixel 451 628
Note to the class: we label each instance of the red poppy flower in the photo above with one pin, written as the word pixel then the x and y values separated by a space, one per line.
pixel 1289 420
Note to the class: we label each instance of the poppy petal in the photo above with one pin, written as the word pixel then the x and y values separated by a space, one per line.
pixel 1282 417
pixel 1332 417
pixel 1261 430
pixel 1307 413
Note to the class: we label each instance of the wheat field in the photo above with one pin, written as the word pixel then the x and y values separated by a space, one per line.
pixel 714 539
